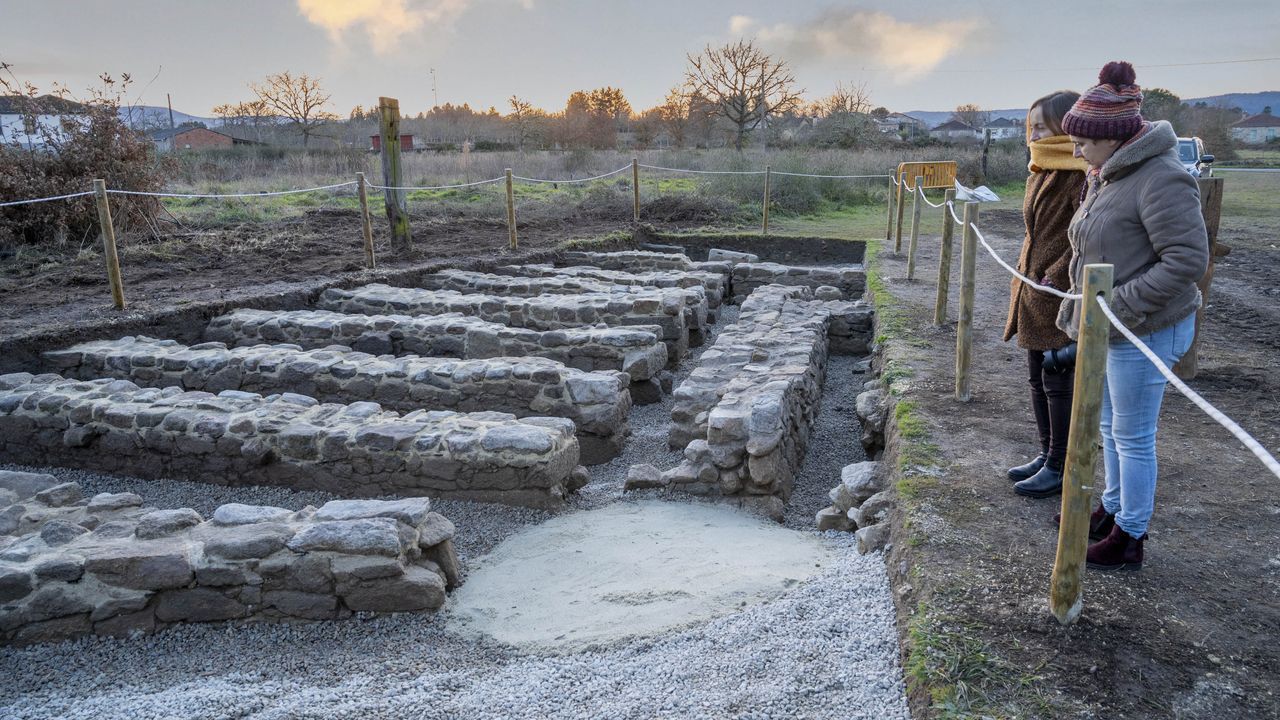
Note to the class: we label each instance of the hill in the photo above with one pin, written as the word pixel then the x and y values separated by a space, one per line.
pixel 1251 103
pixel 151 116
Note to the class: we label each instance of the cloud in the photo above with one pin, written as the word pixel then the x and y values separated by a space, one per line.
pixel 908 50
pixel 386 22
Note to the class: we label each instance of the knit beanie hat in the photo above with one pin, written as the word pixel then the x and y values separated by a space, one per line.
pixel 1112 109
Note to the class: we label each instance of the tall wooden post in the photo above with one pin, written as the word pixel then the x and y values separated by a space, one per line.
pixel 1065 596
pixel 1211 208
pixel 888 232
pixel 511 211
pixel 902 190
pixel 768 173
pixel 944 259
pixel 986 150
pixel 964 327
pixel 109 243
pixel 396 201
pixel 917 205
pixel 635 189
pixel 365 222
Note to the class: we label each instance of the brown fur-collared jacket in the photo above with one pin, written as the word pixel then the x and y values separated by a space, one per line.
pixel 1051 199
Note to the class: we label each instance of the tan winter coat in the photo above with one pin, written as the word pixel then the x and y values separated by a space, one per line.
pixel 1142 215
pixel 1051 199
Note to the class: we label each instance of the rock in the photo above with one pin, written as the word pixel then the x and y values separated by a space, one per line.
pixel 418 589
pixel 25 484
pixel 305 573
pixel 830 518
pixel 667 381
pixel 874 510
pixel 114 529
pixel 57 629
pixel 147 565
pixel 60 532
pixel 352 568
pixel 410 511
pixel 127 626
pixel 643 477
pixel 60 495
pixel 517 438
pixel 11 519
pixel 862 366
pixel 369 536
pixel 858 482
pixel 872 538
pixel 15 583
pixel 872 408
pixel 578 479
pixel 310 606
pixel 827 292
pixel 162 523
pixel 238 514
pixel 730 256
pixel 197 605
pixel 113 501
pixel 57 600
pixel 434 529
pixel 247 541
pixel 446 558
pixel 646 392
pixel 67 568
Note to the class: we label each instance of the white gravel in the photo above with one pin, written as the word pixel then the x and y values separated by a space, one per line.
pixel 825 649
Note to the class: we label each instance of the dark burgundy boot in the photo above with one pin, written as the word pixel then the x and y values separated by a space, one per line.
pixel 1100 522
pixel 1117 551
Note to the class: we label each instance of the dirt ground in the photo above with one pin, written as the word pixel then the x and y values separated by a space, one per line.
pixel 43 292
pixel 1191 635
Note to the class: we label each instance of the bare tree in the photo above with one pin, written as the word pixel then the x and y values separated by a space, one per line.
pixel 524 116
pixel 745 85
pixel 854 99
pixel 297 99
pixel 673 114
pixel 971 115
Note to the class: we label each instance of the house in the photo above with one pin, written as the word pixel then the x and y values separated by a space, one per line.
pixel 192 138
pixel 1005 129
pixel 27 121
pixel 1257 129
pixel 904 126
pixel 954 130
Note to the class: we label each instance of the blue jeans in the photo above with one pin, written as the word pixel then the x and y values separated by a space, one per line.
pixel 1131 395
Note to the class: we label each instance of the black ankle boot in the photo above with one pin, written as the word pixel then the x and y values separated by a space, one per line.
pixel 1022 472
pixel 1046 483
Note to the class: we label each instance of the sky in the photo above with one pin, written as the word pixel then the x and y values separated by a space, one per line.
pixel 920 55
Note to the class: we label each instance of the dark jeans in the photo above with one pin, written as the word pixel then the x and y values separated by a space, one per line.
pixel 1051 403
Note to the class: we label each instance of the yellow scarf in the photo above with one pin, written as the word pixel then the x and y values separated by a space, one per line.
pixel 1054 153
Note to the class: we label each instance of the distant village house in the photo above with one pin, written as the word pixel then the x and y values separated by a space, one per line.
pixel 193 138
pixel 904 126
pixel 954 130
pixel 27 121
pixel 1257 129
pixel 1005 129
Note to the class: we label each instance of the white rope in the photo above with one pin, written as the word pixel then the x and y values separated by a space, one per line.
pixel 704 172
pixel 1026 280
pixel 232 195
pixel 951 206
pixel 579 180
pixel 926 200
pixel 838 177
pixel 895 182
pixel 45 199
pixel 432 187
pixel 1254 446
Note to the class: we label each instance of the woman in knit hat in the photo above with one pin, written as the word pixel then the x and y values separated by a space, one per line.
pixel 1141 214
pixel 1053 194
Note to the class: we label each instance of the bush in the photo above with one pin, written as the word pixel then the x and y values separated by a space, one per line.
pixel 91 144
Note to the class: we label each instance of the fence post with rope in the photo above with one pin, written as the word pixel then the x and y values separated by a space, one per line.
pixel 917 206
pixel 397 200
pixel 893 186
pixel 365 223
pixel 964 326
pixel 109 243
pixel 944 257
pixel 511 211
pixel 1065 596
pixel 635 189
pixel 902 188
pixel 768 172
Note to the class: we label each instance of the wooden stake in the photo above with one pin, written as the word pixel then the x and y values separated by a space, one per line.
pixel 1065 596
pixel 902 189
pixel 109 243
pixel 365 221
pixel 917 205
pixel 944 260
pixel 511 211
pixel 397 201
pixel 888 232
pixel 964 327
pixel 1211 208
pixel 768 172
pixel 635 188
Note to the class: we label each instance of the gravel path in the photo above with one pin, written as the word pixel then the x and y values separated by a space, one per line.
pixel 826 649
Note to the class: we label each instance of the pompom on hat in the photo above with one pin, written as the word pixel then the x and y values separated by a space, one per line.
pixel 1112 109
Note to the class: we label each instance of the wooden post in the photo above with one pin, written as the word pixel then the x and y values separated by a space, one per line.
pixel 944 260
pixel 917 205
pixel 109 243
pixel 888 232
pixel 986 149
pixel 635 187
pixel 1211 208
pixel 964 327
pixel 365 221
pixel 902 189
pixel 1065 597
pixel 768 172
pixel 396 201
pixel 511 211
